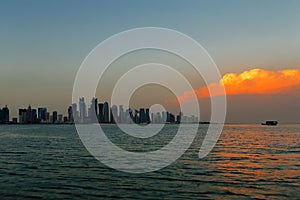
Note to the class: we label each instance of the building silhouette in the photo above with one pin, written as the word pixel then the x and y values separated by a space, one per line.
pixel 122 114
pixel 74 113
pixel 114 114
pixel 29 115
pixel 148 116
pixel 70 117
pixel 42 114
pixel 101 112
pixel 82 110
pixel 22 116
pixel 54 117
pixel 93 115
pixel 97 113
pixel 4 115
pixel 105 112
pixel 142 118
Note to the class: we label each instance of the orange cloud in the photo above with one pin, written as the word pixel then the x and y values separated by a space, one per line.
pixel 255 81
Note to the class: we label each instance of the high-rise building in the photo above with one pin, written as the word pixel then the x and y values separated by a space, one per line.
pixel 93 111
pixel 142 116
pixel 82 110
pixel 60 118
pixel 136 117
pixel 51 118
pixel 5 115
pixel 42 114
pixel 147 116
pixel 33 116
pixel 121 114
pixel 29 115
pixel 114 114
pixel 1 116
pixel 47 117
pixel 105 112
pixel 75 112
pixel 129 117
pixel 178 118
pixel 70 114
pixel 170 118
pixel 54 117
pixel 158 118
pixel 101 112
pixel 164 116
pixel 152 118
pixel 22 116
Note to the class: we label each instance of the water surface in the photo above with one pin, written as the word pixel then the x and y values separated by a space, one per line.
pixel 249 161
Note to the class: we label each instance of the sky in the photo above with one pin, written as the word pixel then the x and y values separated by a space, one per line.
pixel 43 43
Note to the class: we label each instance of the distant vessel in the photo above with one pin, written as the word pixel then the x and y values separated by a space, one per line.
pixel 204 122
pixel 270 123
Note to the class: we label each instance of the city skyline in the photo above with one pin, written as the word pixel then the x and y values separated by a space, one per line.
pixel 93 113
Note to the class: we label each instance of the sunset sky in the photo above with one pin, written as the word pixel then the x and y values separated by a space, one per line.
pixel 255 44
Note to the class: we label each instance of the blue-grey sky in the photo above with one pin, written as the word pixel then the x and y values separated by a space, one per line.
pixel 42 43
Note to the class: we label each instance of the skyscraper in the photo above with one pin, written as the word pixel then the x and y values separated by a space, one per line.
pixel 33 116
pixel 178 118
pixel 164 116
pixel 75 112
pixel 142 116
pixel 29 115
pixel 60 118
pixel 114 114
pixel 1 116
pixel 42 114
pixel 105 112
pixel 93 111
pixel 5 114
pixel 82 110
pixel 54 117
pixel 70 114
pixel 121 114
pixel 136 117
pixel 47 117
pixel 158 118
pixel 22 116
pixel 101 112
pixel 129 118
pixel 147 116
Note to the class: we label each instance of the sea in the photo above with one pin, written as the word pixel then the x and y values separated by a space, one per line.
pixel 248 162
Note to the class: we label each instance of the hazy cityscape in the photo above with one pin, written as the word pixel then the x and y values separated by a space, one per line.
pixel 95 112
pixel 133 99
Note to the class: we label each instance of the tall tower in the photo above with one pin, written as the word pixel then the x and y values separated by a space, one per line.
pixel 105 112
pixel 114 114
pixel 54 117
pixel 121 114
pixel 82 110
pixel 147 120
pixel 142 115
pixel 94 110
pixel 75 112
pixel 70 114
pixel 29 115
pixel 5 114
pixel 101 112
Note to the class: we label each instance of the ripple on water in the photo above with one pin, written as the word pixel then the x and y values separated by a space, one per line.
pixel 248 162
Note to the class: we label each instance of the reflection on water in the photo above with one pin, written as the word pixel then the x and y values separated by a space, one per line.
pixel 249 161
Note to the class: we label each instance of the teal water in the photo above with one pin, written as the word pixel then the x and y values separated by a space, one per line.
pixel 249 161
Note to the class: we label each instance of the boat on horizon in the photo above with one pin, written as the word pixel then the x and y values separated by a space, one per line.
pixel 270 123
